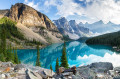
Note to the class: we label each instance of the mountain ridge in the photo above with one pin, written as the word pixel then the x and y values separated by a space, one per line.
pixel 71 28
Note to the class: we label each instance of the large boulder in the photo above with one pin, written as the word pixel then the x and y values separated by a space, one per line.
pixel 117 69
pixel 19 66
pixel 101 66
pixel 85 72
pixel 32 75
pixel 7 64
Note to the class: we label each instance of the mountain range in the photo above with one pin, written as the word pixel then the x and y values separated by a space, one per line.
pixel 32 24
pixel 102 28
pixel 71 28
pixel 75 31
pixel 35 25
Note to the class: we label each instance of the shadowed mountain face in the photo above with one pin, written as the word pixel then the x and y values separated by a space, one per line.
pixel 71 28
pixel 33 24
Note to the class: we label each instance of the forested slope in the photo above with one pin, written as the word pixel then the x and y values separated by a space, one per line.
pixel 112 39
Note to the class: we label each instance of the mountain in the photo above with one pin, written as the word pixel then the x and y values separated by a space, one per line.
pixel 112 39
pixel 33 24
pixel 101 28
pixel 71 28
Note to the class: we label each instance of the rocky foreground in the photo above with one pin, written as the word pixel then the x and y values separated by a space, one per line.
pixel 101 70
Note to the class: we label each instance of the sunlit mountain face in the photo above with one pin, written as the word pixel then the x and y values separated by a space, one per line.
pixel 78 53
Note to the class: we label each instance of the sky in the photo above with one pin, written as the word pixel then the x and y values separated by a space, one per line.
pixel 80 10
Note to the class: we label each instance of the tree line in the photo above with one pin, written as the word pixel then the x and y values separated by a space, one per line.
pixel 112 39
pixel 7 53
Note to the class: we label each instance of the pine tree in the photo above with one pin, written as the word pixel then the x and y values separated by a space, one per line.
pixel 3 41
pixel 2 44
pixel 13 55
pixel 16 60
pixel 2 57
pixel 9 53
pixel 64 62
pixel 57 65
pixel 38 57
pixel 51 67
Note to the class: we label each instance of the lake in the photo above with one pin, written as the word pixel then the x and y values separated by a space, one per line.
pixel 78 54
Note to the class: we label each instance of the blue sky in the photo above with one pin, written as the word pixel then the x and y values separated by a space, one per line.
pixel 79 10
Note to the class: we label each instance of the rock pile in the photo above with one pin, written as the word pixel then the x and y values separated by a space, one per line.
pixel 101 70
pixel 22 71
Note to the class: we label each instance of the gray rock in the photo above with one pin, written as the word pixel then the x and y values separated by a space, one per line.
pixel 76 77
pixel 22 71
pixel 33 68
pixel 7 75
pixel 2 76
pixel 43 75
pixel 7 64
pixel 85 72
pixel 49 73
pixel 19 66
pixel 117 69
pixel 67 73
pixel 101 66
pixel 32 75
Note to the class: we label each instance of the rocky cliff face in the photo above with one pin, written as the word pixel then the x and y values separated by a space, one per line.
pixel 4 13
pixel 39 25
pixel 29 16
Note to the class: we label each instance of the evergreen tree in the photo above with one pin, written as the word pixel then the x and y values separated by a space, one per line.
pixel 19 62
pixel 2 57
pixel 64 62
pixel 57 65
pixel 9 53
pixel 38 57
pixel 51 67
pixel 16 60
pixel 13 55
pixel 3 41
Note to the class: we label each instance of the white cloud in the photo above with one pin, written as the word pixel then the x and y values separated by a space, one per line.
pixel 32 4
pixel 114 59
pixel 106 10
pixel 68 7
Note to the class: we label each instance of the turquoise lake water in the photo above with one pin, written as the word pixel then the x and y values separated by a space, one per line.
pixel 78 53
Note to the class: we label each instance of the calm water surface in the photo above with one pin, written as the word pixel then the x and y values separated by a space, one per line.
pixel 78 53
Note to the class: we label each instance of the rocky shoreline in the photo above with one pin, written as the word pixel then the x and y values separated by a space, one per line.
pixel 100 70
